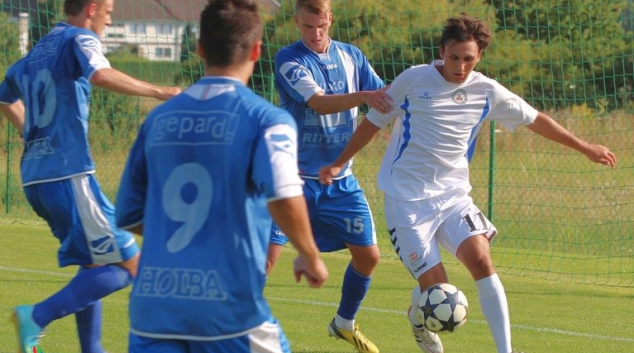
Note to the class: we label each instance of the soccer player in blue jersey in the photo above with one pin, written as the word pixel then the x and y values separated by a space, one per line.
pixel 46 96
pixel 197 184
pixel 322 82
pixel 425 170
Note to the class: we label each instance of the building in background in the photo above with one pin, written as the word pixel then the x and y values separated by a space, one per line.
pixel 155 29
pixel 151 29
pixel 23 28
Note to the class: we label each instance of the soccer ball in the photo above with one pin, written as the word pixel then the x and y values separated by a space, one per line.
pixel 442 307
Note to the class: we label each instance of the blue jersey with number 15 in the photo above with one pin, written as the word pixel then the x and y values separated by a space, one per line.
pixel 53 82
pixel 199 177
pixel 300 73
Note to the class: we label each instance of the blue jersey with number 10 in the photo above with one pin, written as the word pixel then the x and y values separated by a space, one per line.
pixel 199 176
pixel 53 82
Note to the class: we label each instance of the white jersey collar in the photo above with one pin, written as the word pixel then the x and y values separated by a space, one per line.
pixel 323 56
pixel 442 79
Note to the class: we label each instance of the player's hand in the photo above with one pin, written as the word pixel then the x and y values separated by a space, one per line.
pixel 380 100
pixel 167 92
pixel 327 173
pixel 314 270
pixel 601 154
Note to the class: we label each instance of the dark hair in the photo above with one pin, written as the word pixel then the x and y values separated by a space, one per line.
pixel 465 28
pixel 228 30
pixel 74 7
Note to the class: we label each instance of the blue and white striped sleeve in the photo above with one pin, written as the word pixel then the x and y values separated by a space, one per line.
pixel 295 79
pixel 90 55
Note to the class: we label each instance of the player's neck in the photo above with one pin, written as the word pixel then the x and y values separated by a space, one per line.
pixel 322 50
pixel 78 21
pixel 241 73
pixel 441 70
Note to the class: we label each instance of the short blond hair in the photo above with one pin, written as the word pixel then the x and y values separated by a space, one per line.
pixel 313 6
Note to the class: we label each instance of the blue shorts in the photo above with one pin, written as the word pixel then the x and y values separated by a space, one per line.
pixel 339 215
pixel 82 218
pixel 266 338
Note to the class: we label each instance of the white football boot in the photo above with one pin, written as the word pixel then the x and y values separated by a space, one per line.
pixel 427 341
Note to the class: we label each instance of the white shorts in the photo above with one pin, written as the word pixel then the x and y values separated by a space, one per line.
pixel 417 228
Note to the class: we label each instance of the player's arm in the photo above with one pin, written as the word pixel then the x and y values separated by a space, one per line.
pixel 15 113
pixel 369 93
pixel 291 216
pixel 545 126
pixel 132 194
pixel 117 81
pixel 335 103
pixel 96 68
pixel 298 81
pixel 361 137
pixel 275 170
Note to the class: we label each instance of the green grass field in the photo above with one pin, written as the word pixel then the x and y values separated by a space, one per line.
pixel 546 316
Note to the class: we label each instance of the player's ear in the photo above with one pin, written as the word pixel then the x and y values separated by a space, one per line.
pixel 90 10
pixel 442 52
pixel 256 51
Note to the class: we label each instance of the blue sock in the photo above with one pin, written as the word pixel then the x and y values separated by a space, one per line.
pixel 353 290
pixel 89 325
pixel 89 328
pixel 83 290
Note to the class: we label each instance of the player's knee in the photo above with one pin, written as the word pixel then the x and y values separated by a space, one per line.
pixel 374 255
pixel 366 261
pixel 480 266
pixel 373 259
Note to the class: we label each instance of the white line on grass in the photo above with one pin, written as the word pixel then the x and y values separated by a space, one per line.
pixel 365 308
pixel 523 327
pixel 38 272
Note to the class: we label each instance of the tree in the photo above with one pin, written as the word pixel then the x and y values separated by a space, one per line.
pixel 556 54
pixel 43 20
pixel 394 35
pixel 191 71
pixel 188 43
pixel 113 116
pixel 9 42
pixel 576 45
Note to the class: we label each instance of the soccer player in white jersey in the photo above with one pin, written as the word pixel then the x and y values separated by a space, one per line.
pixel 322 82
pixel 204 168
pixel 46 96
pixel 425 171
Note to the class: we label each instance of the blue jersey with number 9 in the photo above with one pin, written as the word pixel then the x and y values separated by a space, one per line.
pixel 53 81
pixel 198 177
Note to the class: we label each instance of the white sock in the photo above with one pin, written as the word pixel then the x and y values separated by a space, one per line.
pixel 496 311
pixel 413 318
pixel 344 324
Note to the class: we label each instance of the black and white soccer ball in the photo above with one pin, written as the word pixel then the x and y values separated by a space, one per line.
pixel 442 308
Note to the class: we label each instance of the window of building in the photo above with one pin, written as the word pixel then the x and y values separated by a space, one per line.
pixel 138 28
pixel 164 28
pixel 163 52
